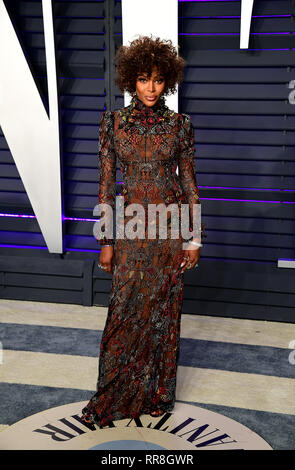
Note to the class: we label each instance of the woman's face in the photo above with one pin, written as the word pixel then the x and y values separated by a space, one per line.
pixel 149 89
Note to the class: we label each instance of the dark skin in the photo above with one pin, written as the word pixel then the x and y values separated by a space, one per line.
pixel 106 258
pixel 190 258
pixel 149 89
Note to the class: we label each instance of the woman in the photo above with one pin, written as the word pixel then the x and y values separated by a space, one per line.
pixel 140 343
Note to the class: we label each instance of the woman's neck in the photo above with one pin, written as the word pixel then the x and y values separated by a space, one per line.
pixel 141 106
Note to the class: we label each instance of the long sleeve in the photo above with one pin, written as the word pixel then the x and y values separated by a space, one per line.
pixel 187 171
pixel 107 171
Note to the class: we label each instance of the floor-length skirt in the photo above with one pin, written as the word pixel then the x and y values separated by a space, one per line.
pixel 140 343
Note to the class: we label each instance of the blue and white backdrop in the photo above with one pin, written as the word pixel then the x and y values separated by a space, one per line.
pixel 57 76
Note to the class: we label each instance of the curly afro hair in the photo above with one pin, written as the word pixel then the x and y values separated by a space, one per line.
pixel 141 56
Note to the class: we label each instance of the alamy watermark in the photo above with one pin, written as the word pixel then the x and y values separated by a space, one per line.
pixel 185 217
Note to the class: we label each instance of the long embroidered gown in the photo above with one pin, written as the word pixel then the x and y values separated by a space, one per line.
pixel 140 343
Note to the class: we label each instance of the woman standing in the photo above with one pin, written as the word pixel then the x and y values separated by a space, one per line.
pixel 140 343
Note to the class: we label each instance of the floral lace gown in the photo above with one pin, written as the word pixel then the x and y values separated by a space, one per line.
pixel 140 342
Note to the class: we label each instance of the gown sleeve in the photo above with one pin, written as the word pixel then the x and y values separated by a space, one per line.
pixel 187 170
pixel 107 170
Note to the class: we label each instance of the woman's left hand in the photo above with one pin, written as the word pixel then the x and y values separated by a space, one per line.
pixel 190 259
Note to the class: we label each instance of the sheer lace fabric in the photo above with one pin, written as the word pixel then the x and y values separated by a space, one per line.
pixel 140 343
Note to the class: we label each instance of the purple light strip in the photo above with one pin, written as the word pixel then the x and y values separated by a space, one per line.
pixel 30 247
pixel 256 49
pixel 271 49
pixel 248 189
pixel 238 200
pixel 18 215
pixel 237 16
pixel 180 1
pixel 233 49
pixel 79 218
pixel 201 198
pixel 34 217
pixel 241 188
pixel 228 34
pixel 95 251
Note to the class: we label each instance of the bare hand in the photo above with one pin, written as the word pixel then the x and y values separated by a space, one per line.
pixel 190 259
pixel 106 258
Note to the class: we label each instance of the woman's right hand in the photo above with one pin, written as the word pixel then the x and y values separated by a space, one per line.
pixel 106 258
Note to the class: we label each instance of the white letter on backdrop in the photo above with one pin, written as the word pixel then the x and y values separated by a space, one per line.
pixel 33 137
pixel 246 15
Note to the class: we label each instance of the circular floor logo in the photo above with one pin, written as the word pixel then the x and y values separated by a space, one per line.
pixel 188 427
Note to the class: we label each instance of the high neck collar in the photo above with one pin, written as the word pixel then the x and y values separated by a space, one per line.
pixel 159 106
pixel 138 112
